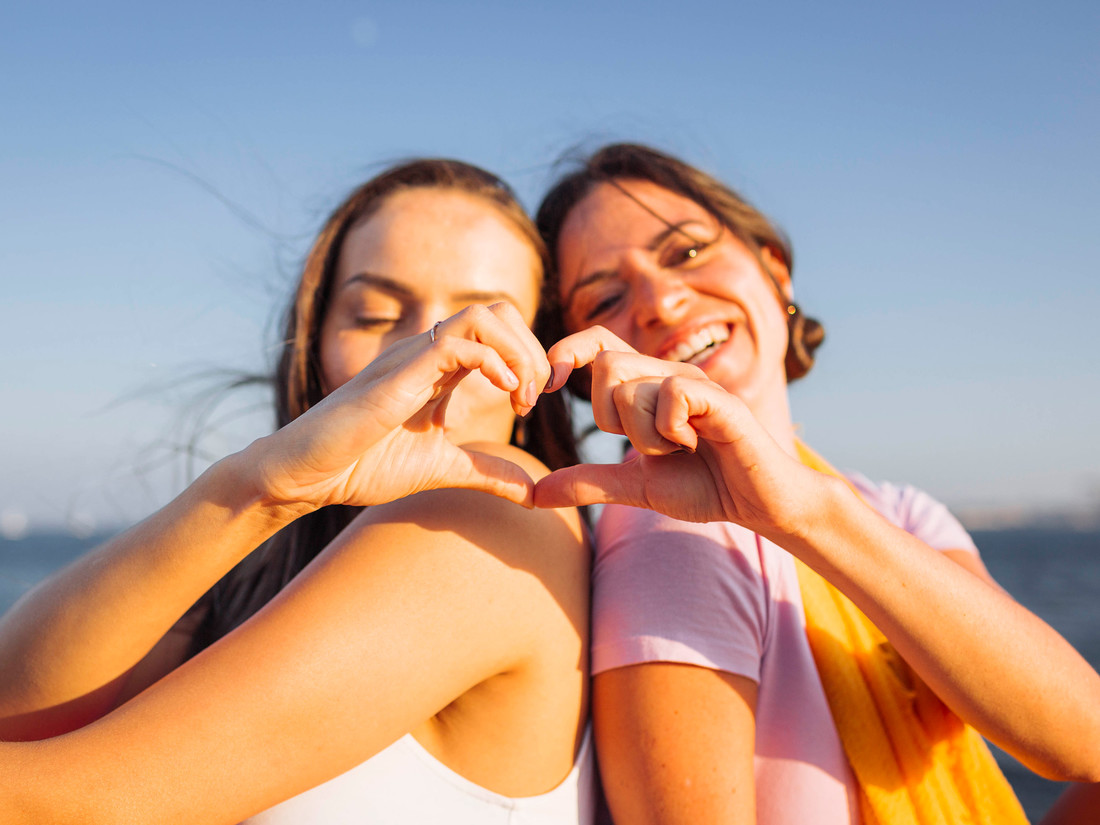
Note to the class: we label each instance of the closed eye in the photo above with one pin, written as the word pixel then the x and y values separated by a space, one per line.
pixel 598 300
pixel 602 308
pixel 374 322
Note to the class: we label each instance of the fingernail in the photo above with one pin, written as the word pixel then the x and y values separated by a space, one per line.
pixel 683 451
pixel 549 381
pixel 531 395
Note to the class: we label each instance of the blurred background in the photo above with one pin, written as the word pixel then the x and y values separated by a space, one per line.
pixel 163 168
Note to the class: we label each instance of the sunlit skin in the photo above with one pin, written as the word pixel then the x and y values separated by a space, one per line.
pixel 666 287
pixel 422 257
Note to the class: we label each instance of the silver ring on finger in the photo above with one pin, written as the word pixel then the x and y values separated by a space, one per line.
pixel 431 332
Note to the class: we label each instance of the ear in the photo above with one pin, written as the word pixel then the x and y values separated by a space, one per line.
pixel 778 270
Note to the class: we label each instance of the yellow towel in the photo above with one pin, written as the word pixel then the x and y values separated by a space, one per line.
pixel 915 762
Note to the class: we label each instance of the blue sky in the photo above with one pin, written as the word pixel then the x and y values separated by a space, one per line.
pixel 163 167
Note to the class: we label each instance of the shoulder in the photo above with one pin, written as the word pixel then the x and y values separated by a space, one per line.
pixel 631 532
pixel 492 521
pixel 914 511
pixel 528 554
pixel 650 568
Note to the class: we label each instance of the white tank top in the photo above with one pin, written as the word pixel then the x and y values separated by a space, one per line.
pixel 406 784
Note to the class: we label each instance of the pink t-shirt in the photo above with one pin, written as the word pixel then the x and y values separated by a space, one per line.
pixel 718 596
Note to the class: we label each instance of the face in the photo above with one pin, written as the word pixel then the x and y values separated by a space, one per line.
pixel 421 257
pixel 682 288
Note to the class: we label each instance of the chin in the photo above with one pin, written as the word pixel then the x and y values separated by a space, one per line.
pixel 482 434
pixel 745 385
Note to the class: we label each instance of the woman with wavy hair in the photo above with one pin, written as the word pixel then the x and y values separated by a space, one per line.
pixel 773 641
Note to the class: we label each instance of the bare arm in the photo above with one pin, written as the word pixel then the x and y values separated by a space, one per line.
pixel 996 664
pixel 69 644
pixel 676 744
pixel 398 619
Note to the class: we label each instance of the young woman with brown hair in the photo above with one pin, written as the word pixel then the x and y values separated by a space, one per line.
pixel 773 642
pixel 393 651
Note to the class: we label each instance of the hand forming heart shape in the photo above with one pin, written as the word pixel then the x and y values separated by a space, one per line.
pixel 381 436
pixel 701 455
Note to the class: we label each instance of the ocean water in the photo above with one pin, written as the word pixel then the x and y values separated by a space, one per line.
pixel 1055 573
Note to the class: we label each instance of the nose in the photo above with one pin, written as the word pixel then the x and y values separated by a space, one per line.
pixel 661 298
pixel 427 314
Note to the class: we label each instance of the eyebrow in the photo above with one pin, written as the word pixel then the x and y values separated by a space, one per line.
pixel 654 242
pixel 485 298
pixel 378 282
pixel 371 279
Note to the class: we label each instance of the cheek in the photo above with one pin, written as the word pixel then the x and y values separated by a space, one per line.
pixel 334 372
pixel 620 327
pixel 770 331
pixel 618 324
pixel 342 358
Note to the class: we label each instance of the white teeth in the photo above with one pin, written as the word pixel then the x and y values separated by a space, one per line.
pixel 698 342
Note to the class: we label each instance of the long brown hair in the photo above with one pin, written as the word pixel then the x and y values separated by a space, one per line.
pixel 631 161
pixel 546 433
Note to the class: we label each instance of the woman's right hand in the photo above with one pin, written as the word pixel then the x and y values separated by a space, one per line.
pixel 382 435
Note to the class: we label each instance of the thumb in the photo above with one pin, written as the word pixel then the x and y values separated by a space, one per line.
pixel 590 484
pixel 491 474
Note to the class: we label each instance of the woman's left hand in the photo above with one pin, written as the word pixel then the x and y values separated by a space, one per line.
pixel 703 456
pixel 383 435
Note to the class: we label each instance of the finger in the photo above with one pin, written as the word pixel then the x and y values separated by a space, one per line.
pixel 610 369
pixel 455 357
pixel 682 407
pixel 502 328
pixel 411 378
pixel 542 372
pixel 589 484
pixel 412 373
pixel 688 409
pixel 579 349
pixel 473 470
pixel 637 403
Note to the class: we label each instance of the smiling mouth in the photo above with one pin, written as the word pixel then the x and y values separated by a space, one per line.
pixel 698 346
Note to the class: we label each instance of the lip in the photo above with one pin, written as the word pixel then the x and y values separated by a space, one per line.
pixel 684 335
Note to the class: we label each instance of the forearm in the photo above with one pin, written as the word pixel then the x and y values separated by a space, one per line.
pixel 31 796
pixel 997 665
pixel 67 645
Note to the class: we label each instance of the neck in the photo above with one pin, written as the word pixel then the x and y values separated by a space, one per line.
pixel 773 410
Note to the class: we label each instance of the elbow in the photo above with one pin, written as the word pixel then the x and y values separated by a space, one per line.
pixel 1090 773
pixel 1088 762
pixel 1085 775
pixel 1064 750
